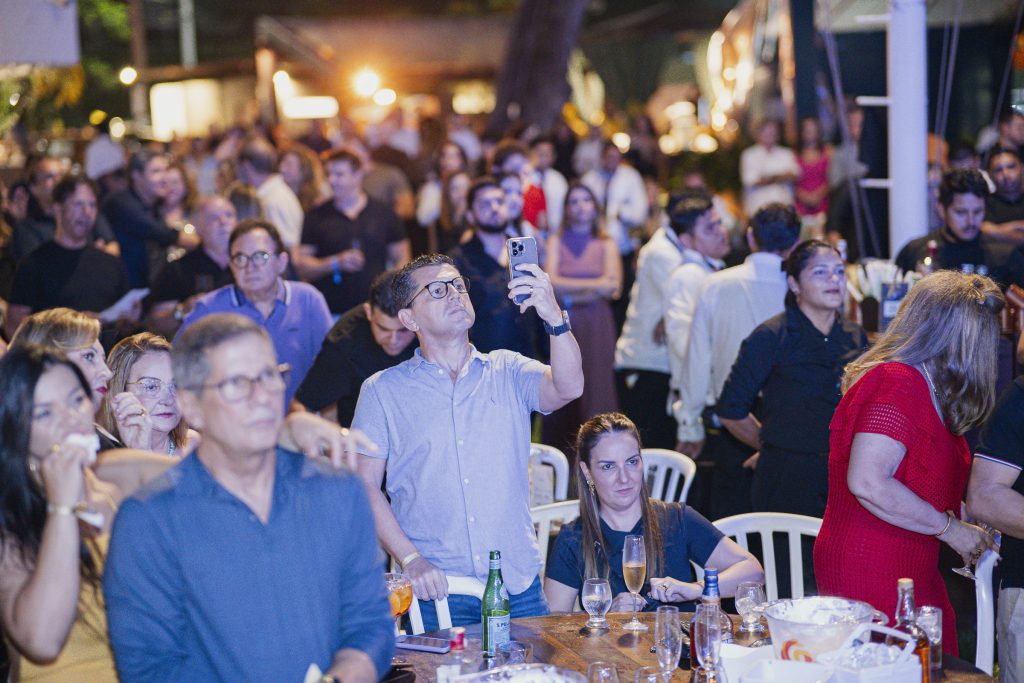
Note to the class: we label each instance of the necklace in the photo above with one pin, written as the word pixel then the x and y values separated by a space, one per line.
pixel 170 451
pixel 928 376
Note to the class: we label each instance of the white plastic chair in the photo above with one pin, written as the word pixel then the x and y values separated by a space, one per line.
pixel 544 516
pixel 549 455
pixel 664 468
pixel 765 524
pixel 457 585
pixel 985 597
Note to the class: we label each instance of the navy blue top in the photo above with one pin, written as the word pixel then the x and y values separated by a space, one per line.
pixel 687 535
pixel 136 226
pixel 199 589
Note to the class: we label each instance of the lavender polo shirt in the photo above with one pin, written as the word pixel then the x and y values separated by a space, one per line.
pixel 297 325
pixel 457 459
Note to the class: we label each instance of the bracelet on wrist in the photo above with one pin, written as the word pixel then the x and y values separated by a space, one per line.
pixel 404 562
pixel 949 522
pixel 71 510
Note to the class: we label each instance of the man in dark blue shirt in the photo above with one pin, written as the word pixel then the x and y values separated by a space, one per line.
pixel 245 561
pixel 134 216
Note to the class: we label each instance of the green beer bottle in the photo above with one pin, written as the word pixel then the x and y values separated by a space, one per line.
pixel 494 611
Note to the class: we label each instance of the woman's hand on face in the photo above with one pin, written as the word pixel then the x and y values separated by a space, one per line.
pixel 624 602
pixel 133 421
pixel 62 473
pixel 667 589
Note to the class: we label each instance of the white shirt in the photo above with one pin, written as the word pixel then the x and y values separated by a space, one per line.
pixel 281 207
pixel 758 162
pixel 428 203
pixel 635 348
pixel 680 302
pixel 555 188
pixel 624 198
pixel 730 305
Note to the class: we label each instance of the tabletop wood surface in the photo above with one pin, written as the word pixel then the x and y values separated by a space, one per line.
pixel 560 639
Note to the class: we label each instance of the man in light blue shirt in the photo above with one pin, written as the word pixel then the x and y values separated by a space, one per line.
pixel 245 561
pixel 453 427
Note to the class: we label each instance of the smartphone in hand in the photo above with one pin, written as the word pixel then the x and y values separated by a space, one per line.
pixel 520 250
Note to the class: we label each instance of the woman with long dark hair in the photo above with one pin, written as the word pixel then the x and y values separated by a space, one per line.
pixel 56 509
pixel 586 273
pixel 614 503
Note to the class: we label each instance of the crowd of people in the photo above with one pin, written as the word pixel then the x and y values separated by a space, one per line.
pixel 175 320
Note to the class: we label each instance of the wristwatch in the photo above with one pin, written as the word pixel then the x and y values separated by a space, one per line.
pixel 559 329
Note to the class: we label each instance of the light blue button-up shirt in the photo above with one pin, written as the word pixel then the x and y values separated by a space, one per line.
pixel 457 459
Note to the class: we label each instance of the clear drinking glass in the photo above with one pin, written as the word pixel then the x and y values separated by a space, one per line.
pixel 750 601
pixel 634 571
pixel 399 596
pixel 513 652
pixel 930 620
pixel 602 672
pixel 597 599
pixel 668 639
pixel 647 674
pixel 709 636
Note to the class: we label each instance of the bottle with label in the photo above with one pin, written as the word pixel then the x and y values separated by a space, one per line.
pixel 454 663
pixel 929 264
pixel 708 597
pixel 905 622
pixel 494 611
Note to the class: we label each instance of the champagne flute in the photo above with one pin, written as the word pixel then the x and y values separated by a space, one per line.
pixel 750 603
pixel 709 636
pixel 597 599
pixel 634 570
pixel 647 674
pixel 668 639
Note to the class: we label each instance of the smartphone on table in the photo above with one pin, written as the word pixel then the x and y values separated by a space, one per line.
pixel 521 250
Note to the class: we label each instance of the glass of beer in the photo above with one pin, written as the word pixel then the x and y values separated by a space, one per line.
pixel 634 571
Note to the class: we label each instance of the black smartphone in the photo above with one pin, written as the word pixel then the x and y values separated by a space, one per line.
pixel 423 644
pixel 521 250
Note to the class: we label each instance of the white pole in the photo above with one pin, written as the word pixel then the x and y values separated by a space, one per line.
pixel 908 122
pixel 187 29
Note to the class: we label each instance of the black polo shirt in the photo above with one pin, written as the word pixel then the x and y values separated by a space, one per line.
pixel 348 357
pixel 499 324
pixel 194 273
pixel 86 279
pixel 329 231
pixel 1002 440
pixel 999 210
pixel 982 255
pixel 796 369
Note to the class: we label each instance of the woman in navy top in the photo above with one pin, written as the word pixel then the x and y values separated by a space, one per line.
pixel 614 502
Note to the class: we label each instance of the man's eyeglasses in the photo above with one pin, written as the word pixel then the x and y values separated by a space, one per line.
pixel 258 259
pixel 439 288
pixel 240 387
pixel 151 387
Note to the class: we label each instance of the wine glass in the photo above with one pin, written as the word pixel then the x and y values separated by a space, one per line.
pixel 602 672
pixel 750 603
pixel 399 596
pixel 597 599
pixel 668 639
pixel 634 571
pixel 708 641
pixel 647 674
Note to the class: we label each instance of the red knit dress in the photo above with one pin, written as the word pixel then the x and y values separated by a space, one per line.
pixel 859 556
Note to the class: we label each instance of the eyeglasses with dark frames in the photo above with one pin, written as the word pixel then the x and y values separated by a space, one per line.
pixel 258 259
pixel 438 289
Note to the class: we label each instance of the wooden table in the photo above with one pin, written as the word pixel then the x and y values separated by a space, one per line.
pixel 559 639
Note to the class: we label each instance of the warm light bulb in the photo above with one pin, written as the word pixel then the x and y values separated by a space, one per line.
pixel 128 75
pixel 366 82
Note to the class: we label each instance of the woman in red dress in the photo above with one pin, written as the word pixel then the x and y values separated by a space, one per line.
pixel 898 461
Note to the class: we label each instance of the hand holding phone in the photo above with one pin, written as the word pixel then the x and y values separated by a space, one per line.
pixel 520 250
